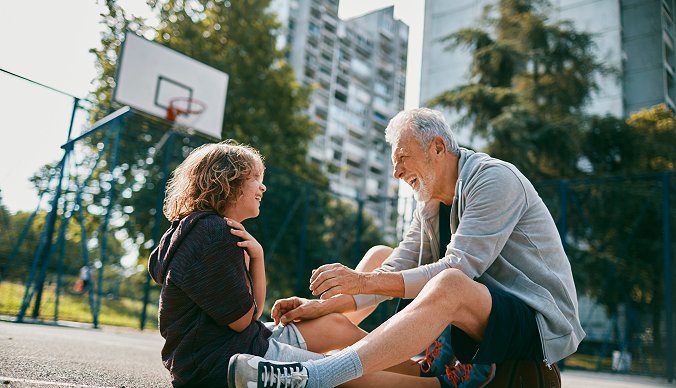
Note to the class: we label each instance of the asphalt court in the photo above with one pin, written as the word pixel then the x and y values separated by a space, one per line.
pixel 37 355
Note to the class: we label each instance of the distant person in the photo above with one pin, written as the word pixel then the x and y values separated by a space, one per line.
pixel 84 280
pixel 500 284
pixel 213 277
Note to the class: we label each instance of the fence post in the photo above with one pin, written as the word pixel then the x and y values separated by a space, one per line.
pixel 563 209
pixel 356 248
pixel 563 229
pixel 158 221
pixel 110 197
pixel 303 239
pixel 47 252
pixel 43 250
pixel 24 232
pixel 668 275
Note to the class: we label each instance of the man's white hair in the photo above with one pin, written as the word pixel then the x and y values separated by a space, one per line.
pixel 425 124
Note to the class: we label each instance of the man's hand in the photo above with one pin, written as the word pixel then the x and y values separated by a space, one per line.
pixel 297 309
pixel 333 279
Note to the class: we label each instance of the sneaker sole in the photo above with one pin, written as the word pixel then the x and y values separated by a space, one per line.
pixel 231 371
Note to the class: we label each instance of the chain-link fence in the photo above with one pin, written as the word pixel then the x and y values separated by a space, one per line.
pixel 619 236
pixel 618 233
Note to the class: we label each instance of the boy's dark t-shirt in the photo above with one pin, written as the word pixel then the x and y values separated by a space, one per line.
pixel 204 288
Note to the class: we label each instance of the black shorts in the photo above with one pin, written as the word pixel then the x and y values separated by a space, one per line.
pixel 511 334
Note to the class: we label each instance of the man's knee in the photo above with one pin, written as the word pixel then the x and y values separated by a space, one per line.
pixel 374 258
pixel 449 286
pixel 449 278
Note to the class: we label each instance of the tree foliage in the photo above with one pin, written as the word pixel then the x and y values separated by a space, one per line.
pixel 621 223
pixel 265 108
pixel 528 84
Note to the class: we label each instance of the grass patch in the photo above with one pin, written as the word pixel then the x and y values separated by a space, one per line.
pixel 647 366
pixel 75 307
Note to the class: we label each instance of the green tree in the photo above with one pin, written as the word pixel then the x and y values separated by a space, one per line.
pixel 620 227
pixel 265 108
pixel 265 105
pixel 4 215
pixel 528 84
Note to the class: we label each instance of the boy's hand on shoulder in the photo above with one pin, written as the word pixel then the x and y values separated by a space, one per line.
pixel 252 247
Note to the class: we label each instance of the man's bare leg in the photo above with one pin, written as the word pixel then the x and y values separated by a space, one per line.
pixel 449 298
pixel 389 379
pixel 373 258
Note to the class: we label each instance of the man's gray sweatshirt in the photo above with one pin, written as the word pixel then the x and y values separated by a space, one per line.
pixel 503 236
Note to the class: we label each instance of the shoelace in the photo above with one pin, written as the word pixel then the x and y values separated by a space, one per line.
pixel 283 376
pixel 458 373
pixel 430 356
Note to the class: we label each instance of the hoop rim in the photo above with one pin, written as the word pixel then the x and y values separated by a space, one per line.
pixel 196 107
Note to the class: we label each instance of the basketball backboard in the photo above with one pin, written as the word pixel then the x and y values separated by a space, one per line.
pixel 150 76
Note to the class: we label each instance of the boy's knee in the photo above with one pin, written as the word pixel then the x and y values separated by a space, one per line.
pixel 374 258
pixel 337 320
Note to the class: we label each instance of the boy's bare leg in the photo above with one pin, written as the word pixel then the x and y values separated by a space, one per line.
pixel 343 333
pixel 373 258
pixel 449 298
pixel 408 367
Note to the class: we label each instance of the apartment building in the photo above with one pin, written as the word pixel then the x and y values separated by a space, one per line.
pixel 635 37
pixel 358 69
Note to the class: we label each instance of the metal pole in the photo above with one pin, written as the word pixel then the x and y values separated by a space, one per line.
pixel 668 275
pixel 61 243
pixel 44 246
pixel 303 239
pixel 83 229
pixel 46 249
pixel 76 105
pixel 158 221
pixel 24 231
pixel 563 230
pixel 563 217
pixel 110 197
pixel 356 248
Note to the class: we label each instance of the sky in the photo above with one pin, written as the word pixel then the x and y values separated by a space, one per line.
pixel 49 43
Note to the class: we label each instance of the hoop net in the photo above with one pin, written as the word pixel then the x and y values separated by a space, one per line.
pixel 185 106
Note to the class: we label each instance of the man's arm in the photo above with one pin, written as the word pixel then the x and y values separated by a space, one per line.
pixel 495 203
pixel 330 280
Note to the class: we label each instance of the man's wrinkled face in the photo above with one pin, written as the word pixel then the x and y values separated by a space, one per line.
pixel 412 165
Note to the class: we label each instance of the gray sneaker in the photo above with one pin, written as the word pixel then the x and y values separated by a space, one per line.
pixel 247 371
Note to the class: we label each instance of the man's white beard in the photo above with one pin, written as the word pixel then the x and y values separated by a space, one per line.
pixel 424 192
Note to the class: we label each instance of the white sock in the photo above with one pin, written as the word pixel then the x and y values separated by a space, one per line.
pixel 334 370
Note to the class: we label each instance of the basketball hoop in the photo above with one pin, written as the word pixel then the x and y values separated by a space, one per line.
pixel 184 106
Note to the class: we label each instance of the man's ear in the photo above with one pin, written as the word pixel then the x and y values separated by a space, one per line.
pixel 439 145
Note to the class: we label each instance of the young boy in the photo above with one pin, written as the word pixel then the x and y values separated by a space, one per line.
pixel 213 277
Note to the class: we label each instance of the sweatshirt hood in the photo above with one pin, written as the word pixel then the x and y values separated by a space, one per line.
pixel 161 256
pixel 468 163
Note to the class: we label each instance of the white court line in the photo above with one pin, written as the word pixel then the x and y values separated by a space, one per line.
pixel 41 382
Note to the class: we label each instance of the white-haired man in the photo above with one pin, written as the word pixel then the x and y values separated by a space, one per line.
pixel 504 285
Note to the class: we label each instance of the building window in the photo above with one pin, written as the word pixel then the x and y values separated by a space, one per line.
pixel 342 82
pixel 340 96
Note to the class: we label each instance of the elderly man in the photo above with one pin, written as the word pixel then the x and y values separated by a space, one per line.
pixel 504 284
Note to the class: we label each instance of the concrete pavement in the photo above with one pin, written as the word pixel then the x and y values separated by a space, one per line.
pixel 36 355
